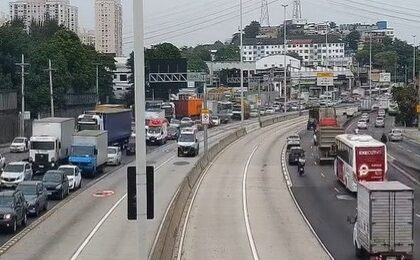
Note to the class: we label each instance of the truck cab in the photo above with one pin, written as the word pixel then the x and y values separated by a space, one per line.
pixel 44 152
pixel 84 156
pixel 157 132
pixel 188 143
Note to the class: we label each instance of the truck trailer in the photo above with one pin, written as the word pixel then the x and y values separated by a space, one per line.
pixel 115 120
pixel 50 142
pixel 188 108
pixel 89 151
pixel 384 225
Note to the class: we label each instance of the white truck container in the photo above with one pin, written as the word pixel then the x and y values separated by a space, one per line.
pixel 384 103
pixel 90 151
pixel 384 224
pixel 365 105
pixel 50 142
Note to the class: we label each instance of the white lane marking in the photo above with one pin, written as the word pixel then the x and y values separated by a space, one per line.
pixel 96 228
pixel 418 155
pixel 337 190
pixel 403 172
pixel 165 162
pixel 400 146
pixel 245 207
pixel 323 175
pixel 418 215
pixel 408 150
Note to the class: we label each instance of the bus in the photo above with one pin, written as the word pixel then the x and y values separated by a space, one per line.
pixel 359 158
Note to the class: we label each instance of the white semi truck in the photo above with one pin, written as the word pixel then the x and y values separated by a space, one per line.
pixel 384 225
pixel 50 142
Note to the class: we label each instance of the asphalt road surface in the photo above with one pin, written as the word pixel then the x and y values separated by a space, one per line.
pixel 243 209
pixel 327 204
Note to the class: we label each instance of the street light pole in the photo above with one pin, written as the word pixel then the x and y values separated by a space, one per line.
pixel 138 27
pixel 284 59
pixel 22 113
pixel 205 125
pixel 97 82
pixel 414 59
pixel 370 69
pixel 326 44
pixel 50 70
pixel 242 63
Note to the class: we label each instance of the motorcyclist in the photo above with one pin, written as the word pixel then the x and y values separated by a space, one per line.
pixel 384 139
pixel 356 131
pixel 301 164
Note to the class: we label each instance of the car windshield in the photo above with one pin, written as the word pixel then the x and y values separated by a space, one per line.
pixel 112 150
pixel 14 168
pixel 6 201
pixel 42 145
pixel 154 130
pixel 27 189
pixel 82 150
pixel 172 130
pixel 19 140
pixel 187 138
pixel 398 132
pixel 68 171
pixel 52 177
pixel 175 122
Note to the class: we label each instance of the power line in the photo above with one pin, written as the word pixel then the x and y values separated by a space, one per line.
pixel 391 5
pixel 382 8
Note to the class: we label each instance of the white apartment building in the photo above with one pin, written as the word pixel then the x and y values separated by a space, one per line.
pixel 108 14
pixel 87 37
pixel 313 51
pixel 38 10
pixel 121 83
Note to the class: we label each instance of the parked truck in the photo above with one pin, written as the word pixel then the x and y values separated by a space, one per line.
pixel 113 119
pixel 326 130
pixel 50 142
pixel 365 105
pixel 384 224
pixel 89 151
pixel 190 107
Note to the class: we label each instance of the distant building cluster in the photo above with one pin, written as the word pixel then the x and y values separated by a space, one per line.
pixel 108 36
pixel 87 37
pixel 40 10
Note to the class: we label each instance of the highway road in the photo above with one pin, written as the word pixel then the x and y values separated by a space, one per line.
pixel 79 223
pixel 243 209
pixel 327 204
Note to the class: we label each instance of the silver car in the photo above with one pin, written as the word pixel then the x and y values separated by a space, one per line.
pixel 395 135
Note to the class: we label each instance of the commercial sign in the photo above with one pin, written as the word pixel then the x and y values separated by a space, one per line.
pixel 205 117
pixel 385 77
pixel 418 108
pixel 325 79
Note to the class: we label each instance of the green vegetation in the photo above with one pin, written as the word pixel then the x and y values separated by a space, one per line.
pixel 74 63
pixel 406 99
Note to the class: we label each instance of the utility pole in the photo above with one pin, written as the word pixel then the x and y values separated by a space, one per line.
pixel 370 69
pixel 242 64
pixel 326 44
pixel 205 125
pixel 50 70
pixel 22 112
pixel 138 27
pixel 260 101
pixel 97 81
pixel 414 59
pixel 284 61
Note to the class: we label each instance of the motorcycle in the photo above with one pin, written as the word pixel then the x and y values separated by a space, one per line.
pixel 301 166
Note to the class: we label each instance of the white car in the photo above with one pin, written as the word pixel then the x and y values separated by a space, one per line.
pixel 380 122
pixel 277 108
pixel 270 110
pixel 381 113
pixel 2 162
pixel 362 124
pixel 15 173
pixel 215 120
pixel 365 117
pixel 114 155
pixel 19 144
pixel 395 135
pixel 74 175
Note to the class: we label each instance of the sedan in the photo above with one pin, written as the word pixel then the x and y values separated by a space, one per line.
pixel 270 110
pixel 74 174
pixel 380 122
pixel 362 124
pixel 395 135
pixel 57 184
pixel 19 144
pixel 2 162
pixel 114 155
pixel 35 195
pixel 215 120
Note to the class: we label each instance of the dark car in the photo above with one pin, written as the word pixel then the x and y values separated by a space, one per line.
pixel 294 155
pixel 56 183
pixel 13 208
pixel 173 133
pixel 35 195
pixel 131 146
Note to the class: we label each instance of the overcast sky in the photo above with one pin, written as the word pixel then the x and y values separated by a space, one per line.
pixel 191 22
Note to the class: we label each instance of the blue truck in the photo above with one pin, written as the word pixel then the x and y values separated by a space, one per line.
pixel 114 119
pixel 89 151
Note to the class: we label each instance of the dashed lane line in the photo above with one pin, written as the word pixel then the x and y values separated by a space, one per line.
pixel 337 190
pixel 418 215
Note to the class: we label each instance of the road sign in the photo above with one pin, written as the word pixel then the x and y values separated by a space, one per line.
pixel 205 117
pixel 196 77
pixel 259 101
pixel 325 78
pixel 385 77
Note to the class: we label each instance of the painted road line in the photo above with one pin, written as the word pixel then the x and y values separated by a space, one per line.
pixel 96 228
pixel 418 155
pixel 323 175
pixel 418 215
pixel 245 207
pixel 408 150
pixel 337 190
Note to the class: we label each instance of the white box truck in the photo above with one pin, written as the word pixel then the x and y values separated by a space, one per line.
pixel 384 227
pixel 50 142
pixel 89 151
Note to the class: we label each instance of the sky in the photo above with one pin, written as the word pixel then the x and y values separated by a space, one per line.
pixel 192 22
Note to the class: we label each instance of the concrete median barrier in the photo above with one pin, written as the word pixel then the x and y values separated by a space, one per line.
pixel 168 239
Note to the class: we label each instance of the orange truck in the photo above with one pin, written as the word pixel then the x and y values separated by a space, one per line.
pixel 188 108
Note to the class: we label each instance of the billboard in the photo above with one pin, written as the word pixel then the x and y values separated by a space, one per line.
pixel 325 79
pixel 385 77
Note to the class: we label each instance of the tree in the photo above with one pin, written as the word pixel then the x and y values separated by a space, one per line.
pixel 406 99
pixel 386 59
pixel 333 25
pixel 352 40
pixel 163 51
pixel 252 30
pixel 228 53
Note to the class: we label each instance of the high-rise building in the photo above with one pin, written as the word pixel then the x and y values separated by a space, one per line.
pixel 3 18
pixel 39 10
pixel 87 37
pixel 109 26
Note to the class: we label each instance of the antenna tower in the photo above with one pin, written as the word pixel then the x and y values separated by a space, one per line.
pixel 297 9
pixel 265 16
